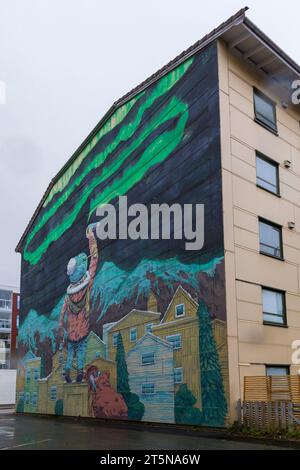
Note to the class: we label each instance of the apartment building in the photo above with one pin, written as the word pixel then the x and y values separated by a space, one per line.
pixel 9 302
pixel 216 126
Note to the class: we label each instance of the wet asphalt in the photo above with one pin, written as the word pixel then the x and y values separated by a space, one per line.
pixel 22 432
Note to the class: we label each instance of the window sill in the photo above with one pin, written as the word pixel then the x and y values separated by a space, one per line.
pixel 268 190
pixel 267 323
pixel 265 126
pixel 271 256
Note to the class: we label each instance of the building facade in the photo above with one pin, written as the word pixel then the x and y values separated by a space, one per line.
pixel 144 329
pixel 9 307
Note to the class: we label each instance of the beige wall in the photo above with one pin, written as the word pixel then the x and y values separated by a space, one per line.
pixel 252 345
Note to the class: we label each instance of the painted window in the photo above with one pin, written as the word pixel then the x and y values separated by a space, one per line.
pixel 34 398
pixel 115 339
pixel 277 370
pixel 27 398
pixel 133 334
pixel 265 110
pixel 270 239
pixel 147 359
pixel 28 375
pixel 148 389
pixel 178 375
pixel 267 174
pixel 148 327
pixel 21 396
pixel 175 340
pixel 179 310
pixel 53 392
pixel 274 311
pixel 36 374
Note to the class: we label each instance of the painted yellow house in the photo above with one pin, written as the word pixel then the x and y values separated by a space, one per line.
pixel 180 326
pixel 132 327
pixel 73 397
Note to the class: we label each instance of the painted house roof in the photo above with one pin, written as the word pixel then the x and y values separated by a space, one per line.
pixel 143 313
pixel 153 338
pixel 243 38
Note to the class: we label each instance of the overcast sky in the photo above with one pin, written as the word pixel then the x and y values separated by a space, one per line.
pixel 65 61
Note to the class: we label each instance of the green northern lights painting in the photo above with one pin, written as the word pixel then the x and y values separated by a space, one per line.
pixel 131 306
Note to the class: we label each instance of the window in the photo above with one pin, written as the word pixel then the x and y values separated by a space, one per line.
pixel 277 370
pixel 147 359
pixel 267 174
pixel 178 375
pixel 179 310
pixel 28 376
pixel 36 374
pixel 53 392
pixel 21 396
pixel 5 299
pixel 27 398
pixel 265 110
pixel 18 302
pixel 115 339
pixel 273 306
pixel 148 389
pixel 34 398
pixel 148 327
pixel 270 239
pixel 133 335
pixel 175 340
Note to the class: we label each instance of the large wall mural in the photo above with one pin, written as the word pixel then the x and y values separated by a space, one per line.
pixel 131 329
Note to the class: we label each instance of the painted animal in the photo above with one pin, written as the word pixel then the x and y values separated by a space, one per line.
pixel 105 401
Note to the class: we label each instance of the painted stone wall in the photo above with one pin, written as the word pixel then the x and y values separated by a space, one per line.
pixel 138 330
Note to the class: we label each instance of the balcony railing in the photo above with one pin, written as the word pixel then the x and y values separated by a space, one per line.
pixel 5 324
pixel 5 304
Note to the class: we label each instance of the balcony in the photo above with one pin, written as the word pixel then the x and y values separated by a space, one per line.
pixel 5 326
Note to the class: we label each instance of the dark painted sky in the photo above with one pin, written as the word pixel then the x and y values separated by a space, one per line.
pixel 65 62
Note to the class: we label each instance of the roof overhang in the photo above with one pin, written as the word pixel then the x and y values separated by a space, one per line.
pixel 245 40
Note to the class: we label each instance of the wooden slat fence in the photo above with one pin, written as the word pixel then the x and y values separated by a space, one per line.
pixel 272 388
pixel 268 415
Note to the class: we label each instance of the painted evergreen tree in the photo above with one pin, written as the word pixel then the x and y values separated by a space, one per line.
pixel 136 408
pixel 20 406
pixel 59 408
pixel 185 412
pixel 214 405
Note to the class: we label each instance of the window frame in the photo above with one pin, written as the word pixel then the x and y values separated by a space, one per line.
pixel 172 336
pixel 145 385
pixel 274 225
pixel 176 369
pixel 179 305
pixel 273 163
pixel 285 366
pixel 260 121
pixel 284 313
pixel 133 329
pixel 53 388
pixel 115 339
pixel 147 363
pixel 147 325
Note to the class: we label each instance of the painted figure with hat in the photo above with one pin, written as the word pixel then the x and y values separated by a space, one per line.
pixel 76 307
